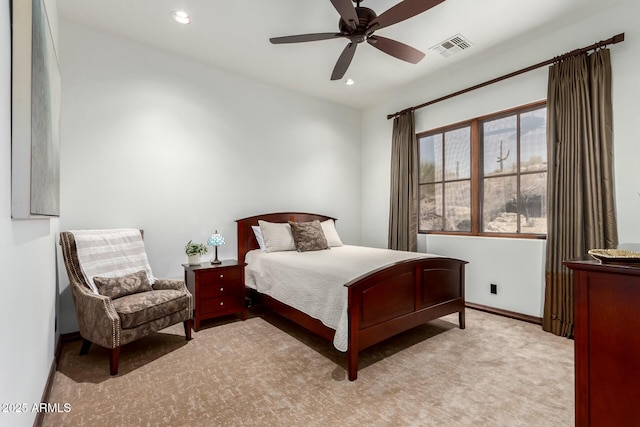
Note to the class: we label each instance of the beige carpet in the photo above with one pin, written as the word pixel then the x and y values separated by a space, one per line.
pixel 268 372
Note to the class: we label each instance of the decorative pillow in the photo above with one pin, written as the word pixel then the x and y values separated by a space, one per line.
pixel 330 232
pixel 277 236
pixel 308 236
pixel 116 287
pixel 258 233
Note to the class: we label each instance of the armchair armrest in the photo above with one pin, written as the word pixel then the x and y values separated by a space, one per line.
pixel 98 321
pixel 174 284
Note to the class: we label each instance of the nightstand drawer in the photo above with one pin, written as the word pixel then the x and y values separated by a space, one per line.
pixel 222 304
pixel 220 289
pixel 228 275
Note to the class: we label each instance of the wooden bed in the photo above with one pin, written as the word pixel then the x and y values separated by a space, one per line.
pixel 382 303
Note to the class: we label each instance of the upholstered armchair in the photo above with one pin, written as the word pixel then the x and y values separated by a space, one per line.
pixel 111 320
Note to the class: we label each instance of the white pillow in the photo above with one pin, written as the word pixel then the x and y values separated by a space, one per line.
pixel 330 232
pixel 258 233
pixel 277 236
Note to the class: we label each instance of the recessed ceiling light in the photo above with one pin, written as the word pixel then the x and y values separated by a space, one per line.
pixel 181 16
pixel 349 82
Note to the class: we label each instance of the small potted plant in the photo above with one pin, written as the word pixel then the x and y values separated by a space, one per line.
pixel 194 251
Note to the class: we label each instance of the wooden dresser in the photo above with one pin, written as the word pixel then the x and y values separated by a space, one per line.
pixel 217 290
pixel 607 343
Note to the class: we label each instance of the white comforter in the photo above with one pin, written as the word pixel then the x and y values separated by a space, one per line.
pixel 313 282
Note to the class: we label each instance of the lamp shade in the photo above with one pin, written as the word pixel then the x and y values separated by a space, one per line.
pixel 216 239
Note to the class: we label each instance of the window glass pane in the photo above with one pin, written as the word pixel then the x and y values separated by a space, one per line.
pixel 500 139
pixel 431 207
pixel 533 203
pixel 457 154
pixel 533 140
pixel 500 205
pixel 457 206
pixel 431 158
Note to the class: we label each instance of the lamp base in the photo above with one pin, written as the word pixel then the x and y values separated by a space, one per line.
pixel 216 261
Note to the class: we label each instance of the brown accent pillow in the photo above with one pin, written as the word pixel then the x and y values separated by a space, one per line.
pixel 308 236
pixel 116 287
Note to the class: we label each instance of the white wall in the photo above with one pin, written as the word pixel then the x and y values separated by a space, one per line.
pixel 27 251
pixel 180 149
pixel 523 89
pixel 492 261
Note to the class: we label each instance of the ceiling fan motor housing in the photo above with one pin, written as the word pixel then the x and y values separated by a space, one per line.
pixel 359 35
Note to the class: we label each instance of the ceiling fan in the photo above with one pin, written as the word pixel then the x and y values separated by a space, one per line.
pixel 358 24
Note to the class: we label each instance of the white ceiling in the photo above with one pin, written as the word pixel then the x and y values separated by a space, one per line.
pixel 234 35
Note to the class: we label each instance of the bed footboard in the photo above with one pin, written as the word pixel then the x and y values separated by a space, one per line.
pixel 397 298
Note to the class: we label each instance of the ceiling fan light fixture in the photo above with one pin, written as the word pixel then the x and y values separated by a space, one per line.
pixel 181 16
pixel 349 82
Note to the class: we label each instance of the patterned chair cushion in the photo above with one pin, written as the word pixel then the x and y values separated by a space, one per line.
pixel 308 236
pixel 116 287
pixel 136 309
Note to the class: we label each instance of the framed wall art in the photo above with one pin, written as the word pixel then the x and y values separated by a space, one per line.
pixel 35 113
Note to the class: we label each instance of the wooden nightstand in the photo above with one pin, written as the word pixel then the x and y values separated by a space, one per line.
pixel 217 290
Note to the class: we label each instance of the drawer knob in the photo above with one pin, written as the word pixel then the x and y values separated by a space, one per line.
pixel 222 303
pixel 221 289
pixel 221 276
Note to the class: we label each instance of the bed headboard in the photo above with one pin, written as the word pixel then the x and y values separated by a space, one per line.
pixel 246 239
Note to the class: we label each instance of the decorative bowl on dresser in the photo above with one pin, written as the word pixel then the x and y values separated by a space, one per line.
pixel 217 289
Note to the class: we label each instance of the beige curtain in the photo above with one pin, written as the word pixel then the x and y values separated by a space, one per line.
pixel 581 209
pixel 403 205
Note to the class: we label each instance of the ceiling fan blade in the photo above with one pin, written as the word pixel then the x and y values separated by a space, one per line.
pixel 344 61
pixel 305 38
pixel 347 12
pixel 396 49
pixel 404 10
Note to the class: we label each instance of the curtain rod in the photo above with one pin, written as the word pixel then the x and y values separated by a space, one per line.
pixel 613 40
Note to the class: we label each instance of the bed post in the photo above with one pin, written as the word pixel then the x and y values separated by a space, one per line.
pixel 352 350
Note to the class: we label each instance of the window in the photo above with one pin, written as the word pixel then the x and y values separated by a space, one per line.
pixel 486 176
pixel 445 180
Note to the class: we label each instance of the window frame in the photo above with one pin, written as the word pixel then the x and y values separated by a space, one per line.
pixel 477 175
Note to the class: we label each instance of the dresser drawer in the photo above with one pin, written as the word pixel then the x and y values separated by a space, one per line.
pixel 219 289
pixel 219 305
pixel 219 276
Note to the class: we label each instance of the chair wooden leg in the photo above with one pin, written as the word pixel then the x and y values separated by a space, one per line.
pixel 85 347
pixel 188 324
pixel 114 358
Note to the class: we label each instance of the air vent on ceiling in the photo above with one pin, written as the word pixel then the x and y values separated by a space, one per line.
pixel 452 45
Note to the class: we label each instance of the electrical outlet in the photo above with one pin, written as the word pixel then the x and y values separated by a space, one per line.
pixel 494 288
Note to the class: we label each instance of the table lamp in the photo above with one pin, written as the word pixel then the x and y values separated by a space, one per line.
pixel 216 240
